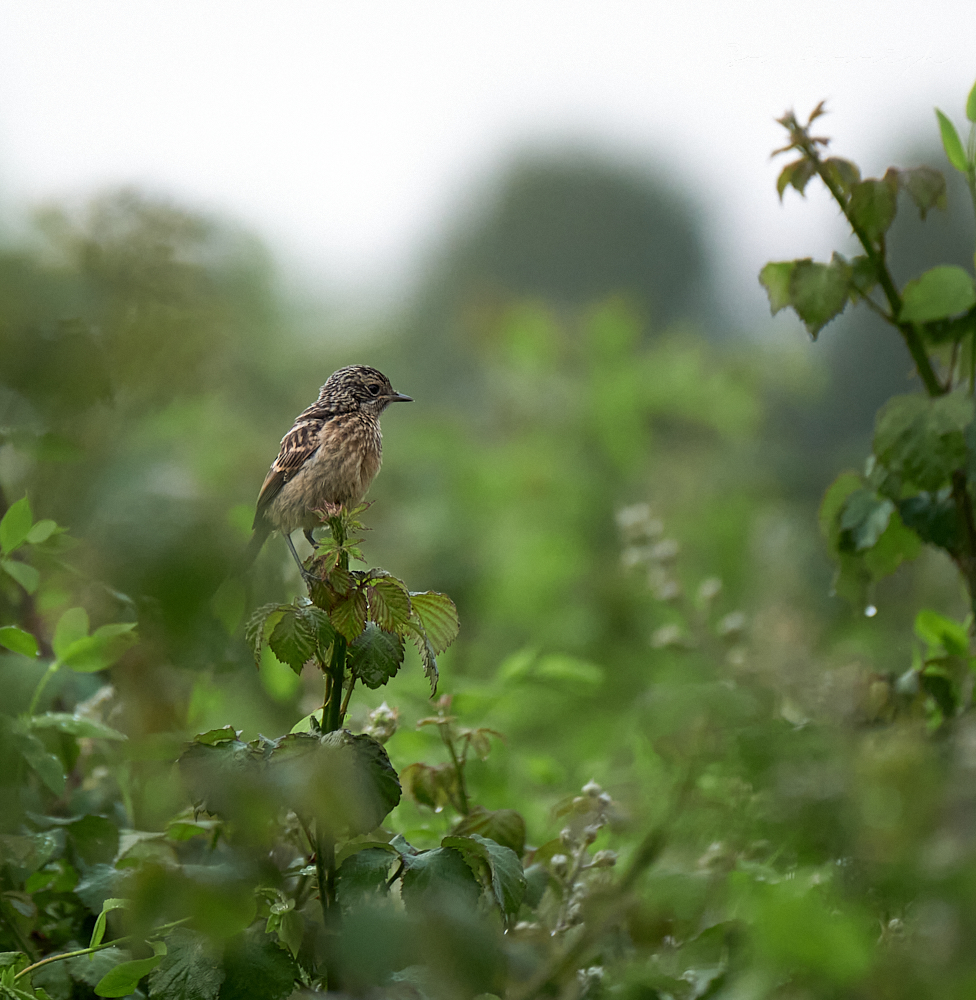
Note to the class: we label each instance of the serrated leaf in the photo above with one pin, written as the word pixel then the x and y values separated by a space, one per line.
pixel 389 603
pixel 843 173
pixel 322 630
pixel 943 291
pixel 431 876
pixel 188 972
pixel 375 655
pixel 873 205
pixel 507 877
pixel 259 625
pixel 927 188
pixel 71 626
pixel 922 439
pixel 796 174
pixel 865 517
pixel 504 826
pixel 75 725
pixel 27 576
pixel 292 639
pixel 427 657
pixel 819 292
pixel 864 275
pixel 257 969
pixel 18 641
pixel 439 617
pixel 362 874
pixel 15 526
pixel 951 142
pixel 775 278
pixel 349 615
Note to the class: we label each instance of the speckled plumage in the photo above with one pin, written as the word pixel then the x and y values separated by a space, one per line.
pixel 329 457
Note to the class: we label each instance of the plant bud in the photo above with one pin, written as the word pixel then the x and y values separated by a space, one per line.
pixel 559 864
pixel 604 859
pixel 566 837
pixel 592 789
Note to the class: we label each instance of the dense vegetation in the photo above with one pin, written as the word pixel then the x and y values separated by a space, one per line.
pixel 659 762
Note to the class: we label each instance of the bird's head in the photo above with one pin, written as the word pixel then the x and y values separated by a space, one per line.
pixel 359 387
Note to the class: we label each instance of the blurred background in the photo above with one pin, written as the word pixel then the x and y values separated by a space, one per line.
pixel 544 222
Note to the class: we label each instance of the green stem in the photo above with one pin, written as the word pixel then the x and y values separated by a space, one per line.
pixel 332 711
pixel 464 809
pixel 54 667
pixel 99 947
pixel 908 331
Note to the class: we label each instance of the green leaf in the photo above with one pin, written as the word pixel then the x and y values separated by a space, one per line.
pixel 819 292
pixel 775 278
pixel 322 630
pixel 951 142
pixel 349 614
pixel 921 438
pixel 797 174
pixel 292 640
pixel 865 517
pixel 98 933
pixel 45 765
pixel 124 978
pixel 941 633
pixel 439 617
pixel 18 641
pixel 260 625
pixel 375 655
pixel 389 603
pixel 834 502
pixel 15 526
pixel 504 826
pixel 76 725
pixel 431 876
pixel 25 575
pixel 873 206
pixel 427 657
pixel 507 877
pixel 897 544
pixel 971 105
pixel 843 173
pixel 938 293
pixel 362 874
pixel 41 532
pixel 188 972
pixel 346 782
pixel 72 626
pixel 95 839
pixel 257 969
pixel 926 186
pixel 227 734
pixel 934 518
pixel 101 649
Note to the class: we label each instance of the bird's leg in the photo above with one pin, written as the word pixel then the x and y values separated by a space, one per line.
pixel 306 576
pixel 307 532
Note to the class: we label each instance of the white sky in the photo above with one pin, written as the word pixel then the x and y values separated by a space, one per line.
pixel 347 131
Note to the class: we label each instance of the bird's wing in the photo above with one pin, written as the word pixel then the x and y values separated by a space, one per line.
pixel 297 447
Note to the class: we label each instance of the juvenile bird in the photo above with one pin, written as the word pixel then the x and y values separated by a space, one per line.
pixel 329 457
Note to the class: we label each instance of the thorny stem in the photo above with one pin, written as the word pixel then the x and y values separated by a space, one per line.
pixel 99 947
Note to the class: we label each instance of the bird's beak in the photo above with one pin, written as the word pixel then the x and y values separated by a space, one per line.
pixel 398 397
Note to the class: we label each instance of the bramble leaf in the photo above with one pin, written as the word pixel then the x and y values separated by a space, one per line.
pixel 843 173
pixel 504 826
pixel 260 625
pixel 349 614
pixel 439 617
pixel 927 188
pixel 188 972
pixel 922 438
pixel 940 292
pixel 819 292
pixel 439 873
pixel 865 518
pixel 389 603
pixel 873 206
pixel 375 655
pixel 796 174
pixel 951 142
pixel 505 869
pixel 292 640
pixel 775 278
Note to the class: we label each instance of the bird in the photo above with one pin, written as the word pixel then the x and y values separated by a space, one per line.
pixel 328 459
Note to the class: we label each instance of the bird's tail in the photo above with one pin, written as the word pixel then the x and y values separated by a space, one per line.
pixel 254 546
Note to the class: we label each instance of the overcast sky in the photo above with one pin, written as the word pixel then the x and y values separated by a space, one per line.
pixel 346 132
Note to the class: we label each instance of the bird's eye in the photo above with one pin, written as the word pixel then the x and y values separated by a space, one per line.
pixel 373 389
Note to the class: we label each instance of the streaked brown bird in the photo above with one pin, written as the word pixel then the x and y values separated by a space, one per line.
pixel 328 458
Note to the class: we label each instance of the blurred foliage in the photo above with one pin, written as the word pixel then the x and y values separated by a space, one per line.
pixel 667 765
